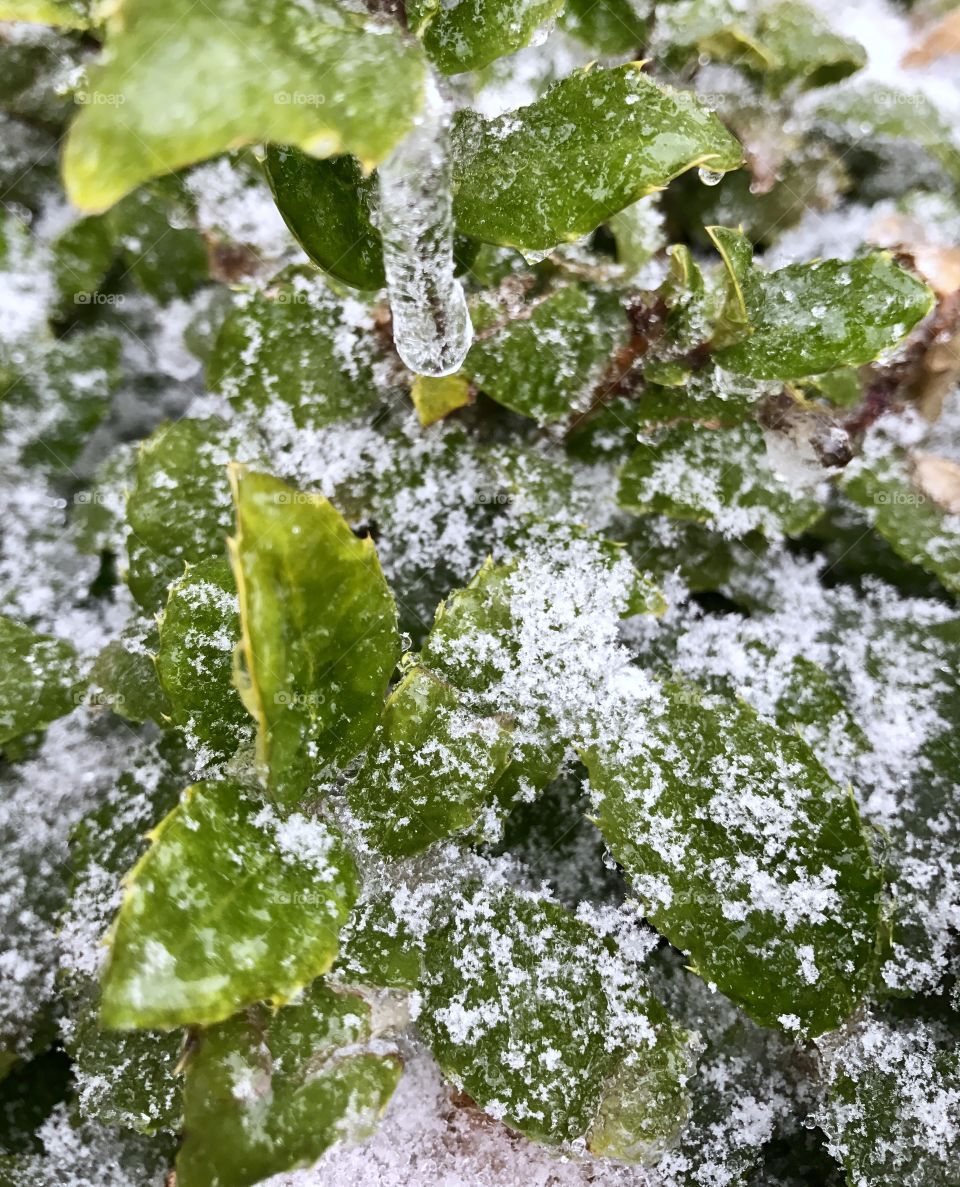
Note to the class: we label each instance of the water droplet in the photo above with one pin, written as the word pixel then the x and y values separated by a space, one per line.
pixel 709 176
pixel 405 641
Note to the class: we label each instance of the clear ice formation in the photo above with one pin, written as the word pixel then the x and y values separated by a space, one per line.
pixel 431 322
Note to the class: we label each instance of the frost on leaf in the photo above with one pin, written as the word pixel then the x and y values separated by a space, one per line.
pixel 39 679
pixel 179 509
pixel 718 477
pixel 229 906
pixel 199 632
pixel 892 1102
pixel 528 1010
pixel 544 359
pixel 913 502
pixel 265 1093
pixel 430 768
pixel 297 343
pixel 745 854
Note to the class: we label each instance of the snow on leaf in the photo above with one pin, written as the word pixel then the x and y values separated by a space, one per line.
pixel 745 854
pixel 521 1012
pixel 39 679
pixel 199 632
pixel 229 906
pixel 430 768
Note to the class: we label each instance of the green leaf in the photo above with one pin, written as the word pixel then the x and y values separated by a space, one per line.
pixel 124 676
pixel 326 205
pixel 430 770
pixel 745 855
pixel 803 48
pixel 718 477
pixel 320 637
pixel 519 1015
pixel 544 360
pixel 267 1093
pixel 179 510
pixel 55 398
pixel 68 14
pixel 892 1103
pixel 594 143
pixel 914 503
pixel 82 256
pixel 436 397
pixel 228 907
pixel 807 318
pixel 325 80
pixel 901 126
pixel 39 679
pixel 783 44
pixel 474 33
pixel 609 26
pixel 199 632
pixel 377 946
pixel 123 1078
pixel 163 253
pixel 298 344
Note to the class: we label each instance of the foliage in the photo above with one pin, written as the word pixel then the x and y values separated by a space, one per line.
pixel 572 721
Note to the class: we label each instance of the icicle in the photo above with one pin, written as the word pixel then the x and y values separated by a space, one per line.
pixel 431 322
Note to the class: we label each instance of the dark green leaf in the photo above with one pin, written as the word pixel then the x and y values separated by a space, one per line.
pixel 326 205
pixel 914 503
pixel 718 477
pixel 594 143
pixel 609 26
pixel 124 676
pixel 39 679
pixel 545 360
pixel 430 770
pixel 299 344
pixel 519 1015
pixel 745 855
pixel 179 510
pixel 199 632
pixel 473 33
pixel 161 251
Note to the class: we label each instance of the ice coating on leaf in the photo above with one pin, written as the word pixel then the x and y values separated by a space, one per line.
pixel 431 323
pixel 266 1093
